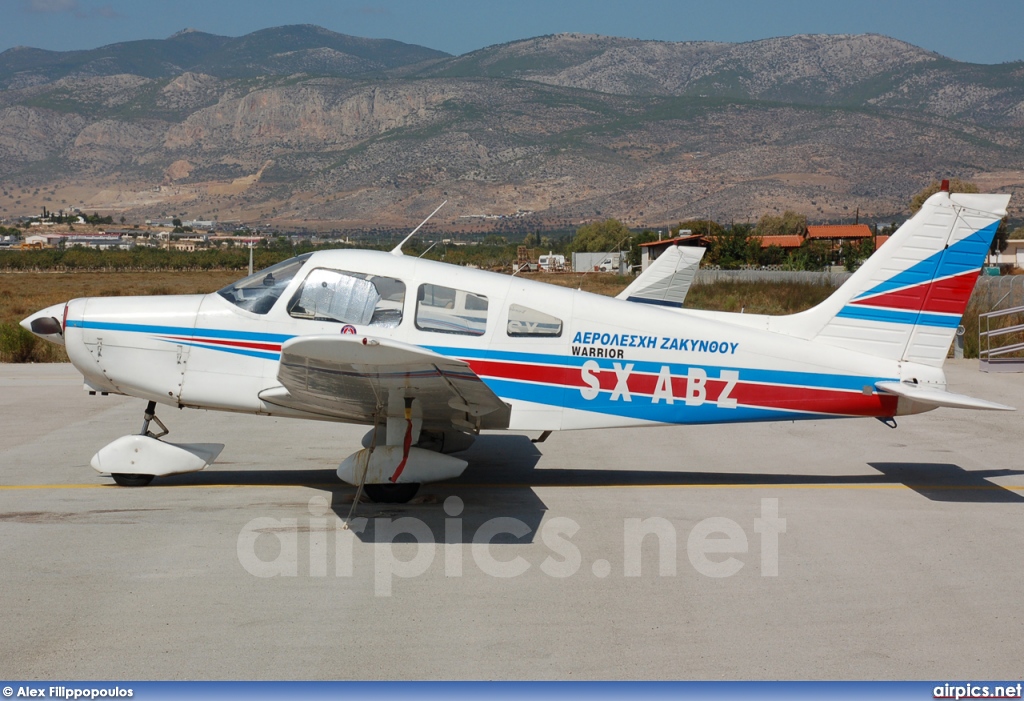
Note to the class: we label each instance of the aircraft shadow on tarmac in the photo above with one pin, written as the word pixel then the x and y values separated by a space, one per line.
pixel 503 470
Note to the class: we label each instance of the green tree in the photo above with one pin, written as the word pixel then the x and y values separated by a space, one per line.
pixel 888 230
pixel 790 223
pixel 635 251
pixel 734 247
pixel 955 185
pixel 854 253
pixel 701 227
pixel 812 255
pixel 600 237
pixel 772 255
pixel 1001 239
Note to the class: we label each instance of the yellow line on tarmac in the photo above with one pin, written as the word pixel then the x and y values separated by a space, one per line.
pixel 899 485
pixel 13 487
pixel 335 485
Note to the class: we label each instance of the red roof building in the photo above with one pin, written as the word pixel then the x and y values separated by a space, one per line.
pixel 689 239
pixel 650 251
pixel 839 231
pixel 787 242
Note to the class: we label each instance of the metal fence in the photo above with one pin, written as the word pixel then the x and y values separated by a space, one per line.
pixel 990 292
pixel 706 277
pixel 994 293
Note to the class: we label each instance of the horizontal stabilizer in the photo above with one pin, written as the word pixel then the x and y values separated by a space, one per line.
pixel 938 397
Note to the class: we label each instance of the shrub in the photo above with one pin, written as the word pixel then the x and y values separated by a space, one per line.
pixel 16 344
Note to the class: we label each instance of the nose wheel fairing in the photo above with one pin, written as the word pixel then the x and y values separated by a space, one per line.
pixel 133 461
pixel 152 457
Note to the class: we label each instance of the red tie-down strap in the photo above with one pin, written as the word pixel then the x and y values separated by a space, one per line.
pixel 407 443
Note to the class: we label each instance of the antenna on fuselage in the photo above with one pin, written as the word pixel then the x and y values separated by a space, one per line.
pixel 397 250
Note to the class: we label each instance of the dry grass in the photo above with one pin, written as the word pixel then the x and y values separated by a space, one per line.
pixel 757 297
pixel 749 297
pixel 598 283
pixel 980 304
pixel 21 294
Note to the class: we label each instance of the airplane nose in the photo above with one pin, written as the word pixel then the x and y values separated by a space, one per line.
pixel 47 323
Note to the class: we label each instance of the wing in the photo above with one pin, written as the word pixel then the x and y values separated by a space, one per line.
pixel 667 280
pixel 350 377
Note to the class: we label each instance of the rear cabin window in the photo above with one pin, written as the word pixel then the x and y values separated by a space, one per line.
pixel 349 298
pixel 524 322
pixel 445 310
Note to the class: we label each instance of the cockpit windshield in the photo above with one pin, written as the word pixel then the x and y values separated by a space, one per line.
pixel 258 292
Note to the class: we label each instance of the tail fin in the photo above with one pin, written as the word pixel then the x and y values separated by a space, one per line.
pixel 906 301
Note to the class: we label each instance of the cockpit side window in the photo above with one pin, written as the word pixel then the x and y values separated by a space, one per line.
pixel 349 298
pixel 445 310
pixel 258 292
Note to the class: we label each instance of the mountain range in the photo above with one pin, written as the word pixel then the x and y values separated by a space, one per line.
pixel 303 127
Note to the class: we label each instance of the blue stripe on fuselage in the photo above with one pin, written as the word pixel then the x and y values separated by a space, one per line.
pixel 181 331
pixel 776 377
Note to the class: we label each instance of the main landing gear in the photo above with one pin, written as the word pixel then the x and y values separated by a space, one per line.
pixel 399 455
pixel 401 493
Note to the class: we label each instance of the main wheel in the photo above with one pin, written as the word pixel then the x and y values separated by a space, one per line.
pixel 391 493
pixel 126 479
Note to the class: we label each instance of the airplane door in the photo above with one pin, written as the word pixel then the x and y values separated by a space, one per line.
pixel 533 340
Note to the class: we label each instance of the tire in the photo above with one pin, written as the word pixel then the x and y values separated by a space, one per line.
pixel 391 493
pixel 125 479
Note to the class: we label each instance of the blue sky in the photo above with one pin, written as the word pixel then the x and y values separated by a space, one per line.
pixel 981 31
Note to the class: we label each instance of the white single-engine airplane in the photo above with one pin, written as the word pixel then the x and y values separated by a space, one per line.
pixel 432 354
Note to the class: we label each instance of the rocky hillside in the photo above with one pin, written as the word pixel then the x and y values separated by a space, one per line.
pixel 276 51
pixel 303 127
pixel 843 70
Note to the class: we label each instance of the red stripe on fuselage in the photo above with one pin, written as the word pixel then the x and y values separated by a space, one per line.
pixel 753 394
pixel 276 347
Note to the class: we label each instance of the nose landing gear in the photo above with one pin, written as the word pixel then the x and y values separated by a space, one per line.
pixel 129 479
pixel 133 461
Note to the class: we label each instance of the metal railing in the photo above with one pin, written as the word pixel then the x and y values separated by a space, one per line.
pixel 999 358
